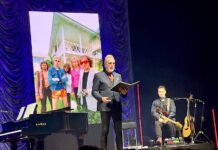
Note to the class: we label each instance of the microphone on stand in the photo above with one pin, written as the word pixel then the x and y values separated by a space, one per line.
pixel 198 100
pixel 179 98
pixel 194 99
pixel 189 99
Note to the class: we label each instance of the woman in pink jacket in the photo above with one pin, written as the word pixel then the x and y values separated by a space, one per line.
pixel 75 74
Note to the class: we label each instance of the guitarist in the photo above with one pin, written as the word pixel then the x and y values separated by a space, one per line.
pixel 160 106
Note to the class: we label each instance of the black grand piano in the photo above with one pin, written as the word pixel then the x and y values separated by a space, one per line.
pixel 38 126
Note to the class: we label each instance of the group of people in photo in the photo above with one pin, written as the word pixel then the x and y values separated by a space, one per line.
pixel 73 80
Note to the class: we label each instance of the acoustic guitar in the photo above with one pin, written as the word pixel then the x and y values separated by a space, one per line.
pixel 188 128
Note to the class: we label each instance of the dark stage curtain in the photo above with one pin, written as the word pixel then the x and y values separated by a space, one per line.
pixel 16 70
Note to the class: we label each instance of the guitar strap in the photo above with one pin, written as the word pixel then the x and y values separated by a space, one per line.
pixel 168 105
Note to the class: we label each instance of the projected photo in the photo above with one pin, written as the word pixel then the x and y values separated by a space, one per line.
pixel 66 51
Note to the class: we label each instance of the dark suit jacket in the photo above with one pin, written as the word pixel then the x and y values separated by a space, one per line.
pixel 102 88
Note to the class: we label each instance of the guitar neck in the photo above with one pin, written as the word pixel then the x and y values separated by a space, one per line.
pixel 172 121
pixel 168 119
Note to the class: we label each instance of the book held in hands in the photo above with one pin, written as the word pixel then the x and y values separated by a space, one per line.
pixel 123 85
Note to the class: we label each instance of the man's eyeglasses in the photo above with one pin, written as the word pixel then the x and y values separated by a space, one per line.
pixel 84 62
pixel 57 60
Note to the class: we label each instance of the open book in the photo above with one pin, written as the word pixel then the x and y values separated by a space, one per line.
pixel 124 85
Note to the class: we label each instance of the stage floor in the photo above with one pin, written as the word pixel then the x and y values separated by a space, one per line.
pixel 200 146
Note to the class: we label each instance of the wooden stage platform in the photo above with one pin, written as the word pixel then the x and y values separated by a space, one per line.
pixel 200 146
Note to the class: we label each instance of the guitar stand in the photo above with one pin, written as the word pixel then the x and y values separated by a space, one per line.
pixel 201 134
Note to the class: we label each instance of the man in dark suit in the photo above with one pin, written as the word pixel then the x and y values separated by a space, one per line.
pixel 109 103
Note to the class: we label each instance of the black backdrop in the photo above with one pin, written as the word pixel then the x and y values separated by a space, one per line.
pixel 175 43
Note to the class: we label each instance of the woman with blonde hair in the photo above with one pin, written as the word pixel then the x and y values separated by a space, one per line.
pixel 75 75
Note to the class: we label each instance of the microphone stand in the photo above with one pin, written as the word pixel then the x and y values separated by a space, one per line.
pixel 194 115
pixel 200 132
pixel 195 108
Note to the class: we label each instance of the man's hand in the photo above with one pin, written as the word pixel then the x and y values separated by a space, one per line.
pixel 123 90
pixel 105 99
pixel 84 92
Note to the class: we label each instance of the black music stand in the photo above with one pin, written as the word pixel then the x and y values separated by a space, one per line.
pixel 201 135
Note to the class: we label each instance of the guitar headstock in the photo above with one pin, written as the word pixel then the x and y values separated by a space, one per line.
pixel 190 96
